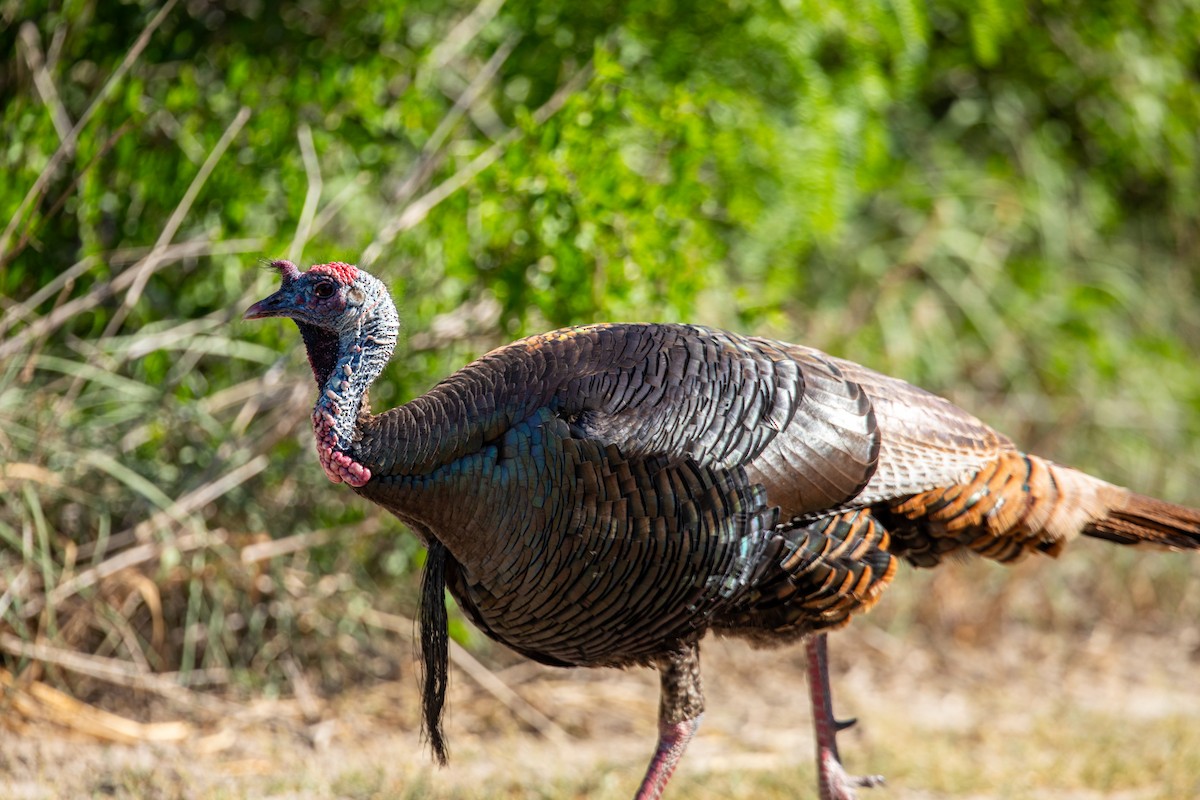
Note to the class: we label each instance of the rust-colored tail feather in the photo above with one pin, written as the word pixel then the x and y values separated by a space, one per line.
pixel 1142 520
pixel 1021 503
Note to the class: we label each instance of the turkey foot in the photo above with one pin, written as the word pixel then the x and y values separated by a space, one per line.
pixel 832 780
pixel 835 783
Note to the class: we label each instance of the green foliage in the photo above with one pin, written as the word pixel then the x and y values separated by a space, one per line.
pixel 992 199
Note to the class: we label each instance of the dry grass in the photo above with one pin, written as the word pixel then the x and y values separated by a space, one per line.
pixel 1041 716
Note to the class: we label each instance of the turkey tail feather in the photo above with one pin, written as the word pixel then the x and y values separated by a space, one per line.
pixel 1020 503
pixel 1146 521
pixel 435 646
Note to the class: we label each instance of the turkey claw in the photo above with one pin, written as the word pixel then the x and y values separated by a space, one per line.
pixel 836 784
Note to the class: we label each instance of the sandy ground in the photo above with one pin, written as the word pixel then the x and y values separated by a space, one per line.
pixel 1083 717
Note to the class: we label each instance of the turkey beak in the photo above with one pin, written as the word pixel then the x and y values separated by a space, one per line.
pixel 273 306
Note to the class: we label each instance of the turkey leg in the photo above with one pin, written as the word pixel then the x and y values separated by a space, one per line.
pixel 681 704
pixel 832 781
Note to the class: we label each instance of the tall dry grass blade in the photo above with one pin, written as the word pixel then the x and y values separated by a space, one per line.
pixel 136 482
pixel 433 153
pixel 184 505
pixel 207 335
pixel 264 551
pixel 17 312
pixel 119 630
pixel 312 197
pixel 126 389
pixel 42 81
pixel 46 324
pixel 202 495
pixel 115 671
pixel 187 658
pixel 268 383
pixel 127 559
pixel 67 147
pixel 416 211
pixel 462 34
pixel 153 261
pixel 37 701
pixel 64 195
pixel 306 698
pixel 43 555
pixel 14 590
pixel 335 205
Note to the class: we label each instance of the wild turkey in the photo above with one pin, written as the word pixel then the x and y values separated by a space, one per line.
pixel 605 495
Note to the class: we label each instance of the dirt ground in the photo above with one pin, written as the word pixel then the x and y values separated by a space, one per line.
pixel 1044 715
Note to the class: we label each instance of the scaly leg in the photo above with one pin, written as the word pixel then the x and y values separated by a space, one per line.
pixel 832 781
pixel 672 741
pixel 681 704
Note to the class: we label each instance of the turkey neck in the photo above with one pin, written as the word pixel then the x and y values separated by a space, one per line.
pixel 410 440
pixel 322 347
pixel 345 364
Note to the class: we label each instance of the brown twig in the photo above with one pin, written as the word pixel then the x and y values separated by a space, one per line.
pixel 115 671
pixel 263 551
pixel 36 700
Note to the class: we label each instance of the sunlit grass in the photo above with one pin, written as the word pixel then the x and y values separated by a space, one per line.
pixel 1072 722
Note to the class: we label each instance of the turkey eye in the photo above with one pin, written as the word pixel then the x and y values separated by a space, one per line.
pixel 323 290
